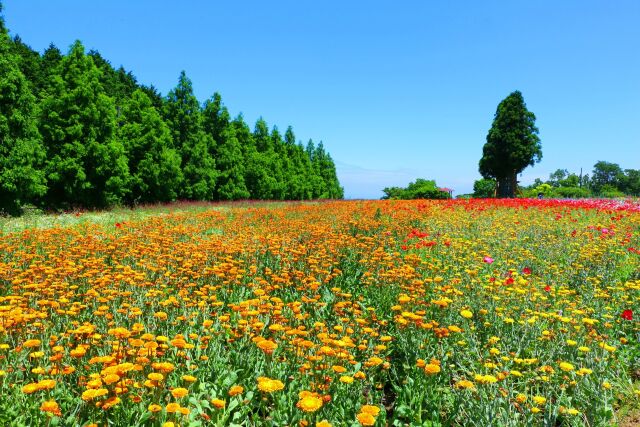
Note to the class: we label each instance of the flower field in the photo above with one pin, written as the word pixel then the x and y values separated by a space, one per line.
pixel 475 313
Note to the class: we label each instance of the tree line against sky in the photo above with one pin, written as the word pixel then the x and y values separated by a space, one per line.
pixel 77 133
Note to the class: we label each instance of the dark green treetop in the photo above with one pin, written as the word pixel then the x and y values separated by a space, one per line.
pixel 86 165
pixel 21 152
pixel 154 166
pixel 196 147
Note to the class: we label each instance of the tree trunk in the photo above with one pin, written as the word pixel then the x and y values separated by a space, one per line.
pixel 506 186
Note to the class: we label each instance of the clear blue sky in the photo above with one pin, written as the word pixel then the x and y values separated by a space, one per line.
pixel 395 90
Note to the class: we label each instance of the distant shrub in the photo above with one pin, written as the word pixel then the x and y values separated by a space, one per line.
pixel 571 193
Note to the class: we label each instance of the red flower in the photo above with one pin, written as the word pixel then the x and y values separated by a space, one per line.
pixel 547 288
pixel 627 315
pixel 526 270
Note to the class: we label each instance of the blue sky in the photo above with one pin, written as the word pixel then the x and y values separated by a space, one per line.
pixel 395 90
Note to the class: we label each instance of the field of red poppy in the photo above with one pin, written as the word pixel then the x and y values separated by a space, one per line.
pixel 475 313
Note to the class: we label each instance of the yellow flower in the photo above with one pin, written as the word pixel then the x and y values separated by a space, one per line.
pixel 346 379
pixel 154 408
pixel 269 385
pixel 606 385
pixel 309 403
pixel 539 400
pixel 464 384
pixel 179 392
pixel 467 314
pixel 323 423
pixel 567 367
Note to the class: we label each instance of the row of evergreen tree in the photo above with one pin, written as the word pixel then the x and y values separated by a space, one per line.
pixel 75 132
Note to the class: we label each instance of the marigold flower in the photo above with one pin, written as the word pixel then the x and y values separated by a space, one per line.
pixel 431 369
pixel 235 390
pixel 366 419
pixel 464 384
pixel 179 392
pixel 269 385
pixel 567 367
pixel 539 400
pixel 30 388
pixel 51 406
pixel 154 407
pixel 267 346
pixel 346 379
pixel 218 403
pixel 467 314
pixel 309 403
pixel 173 407
pixel 31 343
pixel 370 409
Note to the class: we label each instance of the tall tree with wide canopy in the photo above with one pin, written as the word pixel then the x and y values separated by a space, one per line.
pixel 21 151
pixel 512 144
pixel 86 165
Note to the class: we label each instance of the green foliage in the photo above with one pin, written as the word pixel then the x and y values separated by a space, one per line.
pixel 154 166
pixel 512 144
pixel 77 132
pixel 228 151
pixel 419 189
pixel 21 151
pixel 606 177
pixel 484 188
pixel 86 165
pixel 182 112
pixel 571 192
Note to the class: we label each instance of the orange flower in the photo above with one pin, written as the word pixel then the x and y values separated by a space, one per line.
pixel 173 407
pixel 51 406
pixel 235 390
pixel 218 403
pixel 31 343
pixel 267 346
pixel 431 369
pixel 366 419
pixel 179 392
pixel 370 409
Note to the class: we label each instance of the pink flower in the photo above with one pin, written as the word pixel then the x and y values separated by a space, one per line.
pixel 488 260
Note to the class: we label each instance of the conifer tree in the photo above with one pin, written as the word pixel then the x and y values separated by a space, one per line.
pixel 196 147
pixel 512 144
pixel 153 165
pixel 86 165
pixel 21 151
pixel 228 152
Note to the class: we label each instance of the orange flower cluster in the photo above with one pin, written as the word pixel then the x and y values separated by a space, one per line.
pixel 295 312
